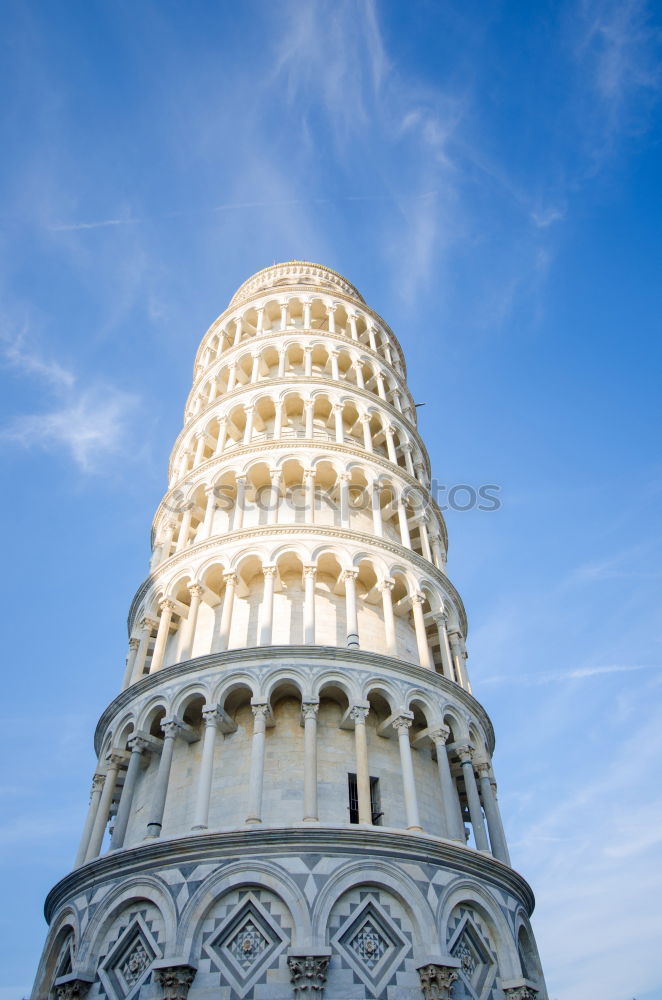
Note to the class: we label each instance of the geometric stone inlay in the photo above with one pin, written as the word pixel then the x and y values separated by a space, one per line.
pixel 246 944
pixel 476 963
pixel 127 965
pixel 371 944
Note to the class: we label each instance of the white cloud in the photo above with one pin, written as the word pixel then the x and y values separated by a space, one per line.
pixel 27 361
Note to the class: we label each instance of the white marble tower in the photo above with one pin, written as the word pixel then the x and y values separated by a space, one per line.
pixel 294 794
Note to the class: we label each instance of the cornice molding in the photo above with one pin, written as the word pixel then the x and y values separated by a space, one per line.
pixel 262 279
pixel 255 656
pixel 277 530
pixel 377 844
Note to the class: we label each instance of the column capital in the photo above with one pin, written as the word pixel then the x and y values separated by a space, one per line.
pixel 437 980
pixel 141 742
pixel 171 728
pixel 359 713
pixel 167 605
pixel 440 617
pixel 72 987
pixel 309 709
pixel 483 767
pixel 465 753
pixel 134 642
pixel 308 973
pixel 309 571
pixel 276 474
pixel 230 578
pixel 260 711
pixel 195 589
pixel 309 473
pixel 403 721
pixel 97 781
pixel 344 477
pixel 147 624
pixel 349 574
pixel 211 715
pixel 388 584
pixel 439 736
pixel 115 759
pixel 524 991
pixel 418 598
pixel 269 571
pixel 175 980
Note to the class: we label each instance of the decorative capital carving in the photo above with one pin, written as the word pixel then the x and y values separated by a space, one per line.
pixel 418 599
pixel 195 590
pixel 349 574
pixel 308 973
pixel 211 715
pixel 134 643
pixel 72 987
pixel 440 735
pixel 115 759
pixel 309 709
pixel 147 624
pixel 230 579
pixel 403 721
pixel 167 605
pixel 359 713
pixel 437 980
pixel 386 585
pixel 269 571
pixel 175 980
pixel 483 767
pixel 170 728
pixel 310 571
pixel 137 744
pixel 524 992
pixel 465 753
pixel 97 782
pixel 260 711
pixel 441 618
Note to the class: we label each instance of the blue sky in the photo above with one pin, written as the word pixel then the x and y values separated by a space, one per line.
pixel 488 174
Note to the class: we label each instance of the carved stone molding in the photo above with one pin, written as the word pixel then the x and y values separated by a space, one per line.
pixel 175 980
pixel 308 974
pixel 525 991
pixel 437 980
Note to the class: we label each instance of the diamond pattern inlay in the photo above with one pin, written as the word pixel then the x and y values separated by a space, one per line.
pixel 369 944
pixel 247 945
pixel 476 963
pixel 128 963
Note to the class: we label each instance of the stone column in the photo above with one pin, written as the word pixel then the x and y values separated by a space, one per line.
pixel 352 326
pixel 174 980
pixel 465 753
pixel 238 520
pixel 337 416
pixel 238 330
pixel 371 337
pixel 419 625
pixel 170 732
pixel 494 826
pixel 402 724
pixel 211 717
pixel 309 574
pixel 390 447
pixel 309 711
pixel 95 795
pixel 386 586
pixel 195 591
pixel 437 980
pixel 308 974
pixel 451 817
pixel 375 499
pixel 457 654
pixel 309 501
pixel 307 361
pixel 266 625
pixel 137 745
pixel 283 315
pixel 367 436
pixel 403 523
pixel 359 714
pixel 222 431
pixel 274 499
pixel 349 579
pixel 134 645
pixel 306 314
pixel 282 356
pixel 167 609
pixel 437 557
pixel 255 370
pixel 256 779
pixel 184 528
pixel 440 619
pixel 210 508
pixel 406 448
pixel 146 627
pixel 248 429
pixel 260 320
pixel 232 377
pixel 226 613
pixel 331 313
pixel 381 392
pixel 166 544
pixel 335 374
pixel 308 414
pixel 114 761
pixel 278 420
pixel 343 485
pixel 360 381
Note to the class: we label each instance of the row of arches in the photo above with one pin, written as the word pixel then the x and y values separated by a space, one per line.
pixel 288 594
pixel 464 916
pixel 287 491
pixel 301 358
pixel 321 313
pixel 245 750
pixel 317 416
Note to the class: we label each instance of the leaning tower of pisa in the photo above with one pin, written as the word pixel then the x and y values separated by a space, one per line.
pixel 294 794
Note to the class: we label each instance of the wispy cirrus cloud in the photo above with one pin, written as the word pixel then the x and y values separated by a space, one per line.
pixel 89 424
